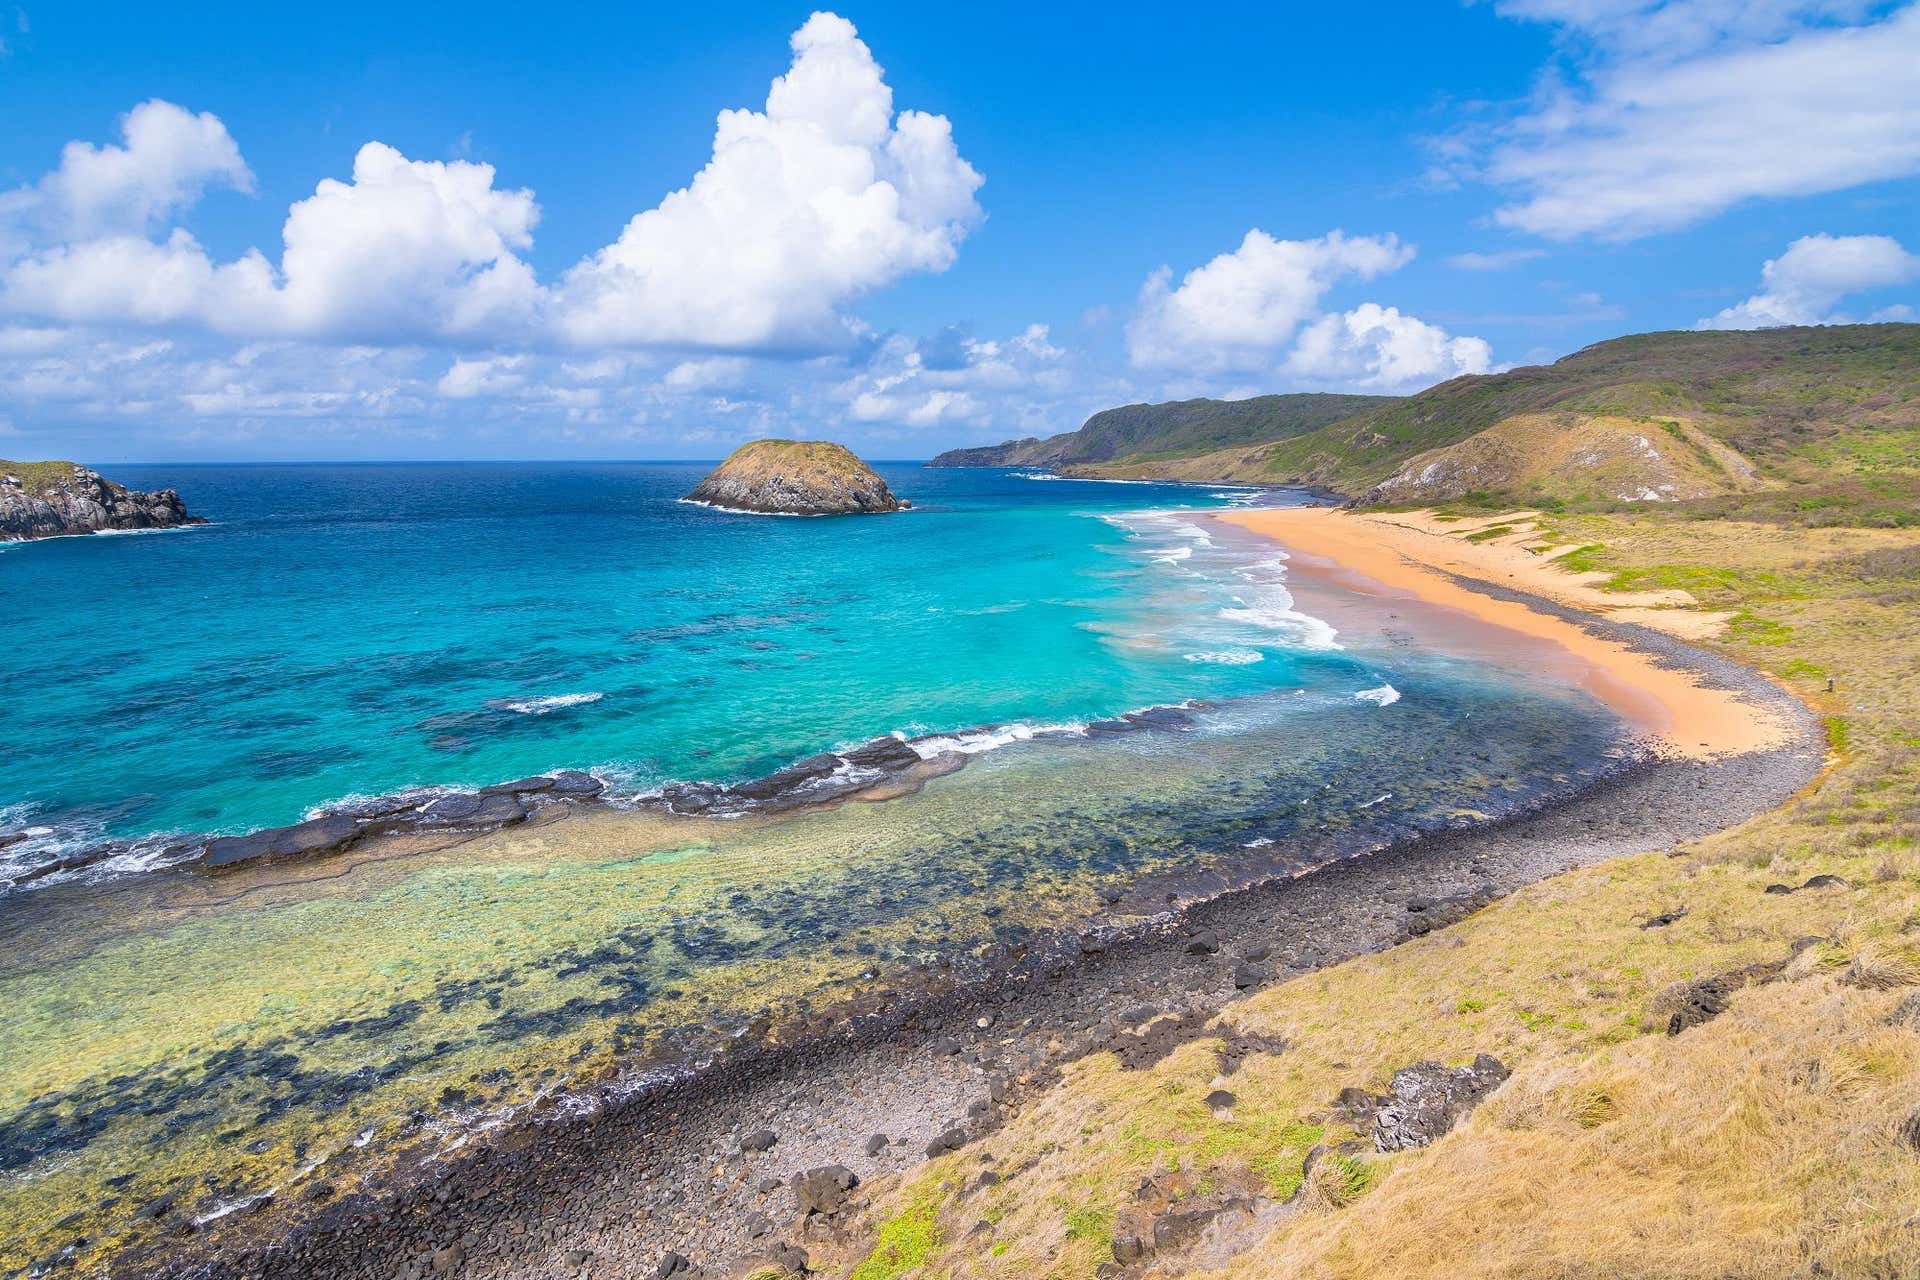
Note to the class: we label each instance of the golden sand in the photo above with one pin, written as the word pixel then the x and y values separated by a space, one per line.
pixel 1415 557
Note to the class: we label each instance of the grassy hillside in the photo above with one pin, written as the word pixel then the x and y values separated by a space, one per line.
pixel 1769 1141
pixel 37 477
pixel 1142 432
pixel 1832 411
pixel 1777 1138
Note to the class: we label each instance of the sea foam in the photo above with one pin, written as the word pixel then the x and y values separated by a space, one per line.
pixel 542 706
pixel 1227 657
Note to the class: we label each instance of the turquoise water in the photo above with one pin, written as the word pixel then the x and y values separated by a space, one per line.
pixel 175 1036
pixel 362 630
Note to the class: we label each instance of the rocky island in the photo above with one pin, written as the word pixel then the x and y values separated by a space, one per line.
pixel 796 478
pixel 55 499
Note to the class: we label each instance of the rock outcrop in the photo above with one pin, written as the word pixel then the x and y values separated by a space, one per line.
pixel 52 499
pixel 1422 1102
pixel 796 478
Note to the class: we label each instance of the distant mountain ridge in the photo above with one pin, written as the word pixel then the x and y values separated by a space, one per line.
pixel 1683 416
pixel 1174 428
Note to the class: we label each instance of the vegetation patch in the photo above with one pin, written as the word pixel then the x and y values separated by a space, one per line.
pixel 904 1241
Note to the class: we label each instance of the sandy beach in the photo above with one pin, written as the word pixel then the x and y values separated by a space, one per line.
pixel 1408 559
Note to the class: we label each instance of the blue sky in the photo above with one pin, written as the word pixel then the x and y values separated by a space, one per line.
pixel 231 233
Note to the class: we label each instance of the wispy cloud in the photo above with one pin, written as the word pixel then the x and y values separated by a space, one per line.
pixel 1667 112
pixel 1503 260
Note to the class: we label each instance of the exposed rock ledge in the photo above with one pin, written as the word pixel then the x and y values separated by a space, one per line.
pixel 52 499
pixel 798 478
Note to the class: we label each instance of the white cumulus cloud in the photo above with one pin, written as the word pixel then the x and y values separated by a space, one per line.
pixel 407 249
pixel 1376 348
pixel 1258 311
pixel 1805 284
pixel 823 196
pixel 1681 110
pixel 167 158
pixel 1238 310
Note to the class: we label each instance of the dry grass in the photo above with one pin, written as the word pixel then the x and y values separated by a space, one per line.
pixel 1763 1143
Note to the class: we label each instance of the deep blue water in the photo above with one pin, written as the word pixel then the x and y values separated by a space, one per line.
pixel 360 630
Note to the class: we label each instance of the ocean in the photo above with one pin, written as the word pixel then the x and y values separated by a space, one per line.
pixel 343 631
pixel 209 1040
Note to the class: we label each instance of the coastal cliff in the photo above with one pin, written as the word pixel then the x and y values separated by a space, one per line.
pixel 797 478
pixel 54 499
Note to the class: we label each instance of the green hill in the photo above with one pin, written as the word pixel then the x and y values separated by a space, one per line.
pixel 1779 422
pixel 1180 428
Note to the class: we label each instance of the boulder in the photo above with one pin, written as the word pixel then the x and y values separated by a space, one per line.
pixel 1247 974
pixel 824 1190
pixel 575 782
pixel 946 1140
pixel 1204 943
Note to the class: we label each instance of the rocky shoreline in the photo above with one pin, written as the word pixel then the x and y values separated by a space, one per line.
pixel 760 1153
pixel 63 499
pixel 888 765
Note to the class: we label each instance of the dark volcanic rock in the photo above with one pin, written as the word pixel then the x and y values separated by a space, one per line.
pixel 477 810
pixel 1247 974
pixel 574 782
pixel 319 835
pixel 795 477
pixel 1702 1001
pixel 519 786
pixel 51 499
pixel 946 1140
pixel 817 779
pixel 824 1190
pixel 1424 1101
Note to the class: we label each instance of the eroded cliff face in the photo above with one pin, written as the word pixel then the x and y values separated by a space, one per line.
pixel 796 477
pixel 52 499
